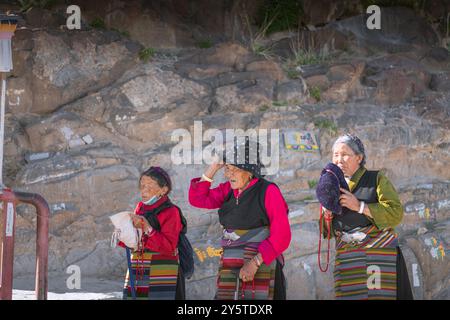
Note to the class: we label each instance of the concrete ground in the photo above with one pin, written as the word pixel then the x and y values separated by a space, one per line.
pixel 58 289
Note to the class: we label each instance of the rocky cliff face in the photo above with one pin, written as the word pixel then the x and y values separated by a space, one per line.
pixel 85 116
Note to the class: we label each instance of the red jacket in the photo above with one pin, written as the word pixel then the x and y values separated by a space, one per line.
pixel 165 240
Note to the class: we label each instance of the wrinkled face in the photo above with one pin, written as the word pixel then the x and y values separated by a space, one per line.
pixel 346 159
pixel 150 188
pixel 238 178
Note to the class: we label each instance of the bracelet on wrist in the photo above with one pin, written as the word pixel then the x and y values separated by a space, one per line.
pixel 257 261
pixel 361 207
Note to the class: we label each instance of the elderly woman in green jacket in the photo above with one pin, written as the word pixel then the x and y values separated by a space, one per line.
pixel 369 263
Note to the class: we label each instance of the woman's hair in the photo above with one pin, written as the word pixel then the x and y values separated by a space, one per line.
pixel 354 143
pixel 158 174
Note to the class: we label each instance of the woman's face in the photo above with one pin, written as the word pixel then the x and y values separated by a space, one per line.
pixel 346 159
pixel 150 188
pixel 238 178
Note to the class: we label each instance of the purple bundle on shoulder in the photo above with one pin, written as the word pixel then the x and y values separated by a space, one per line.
pixel 327 191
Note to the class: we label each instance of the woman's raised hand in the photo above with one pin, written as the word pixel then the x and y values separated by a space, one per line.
pixel 214 167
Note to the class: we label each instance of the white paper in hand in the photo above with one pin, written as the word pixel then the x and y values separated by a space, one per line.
pixel 125 231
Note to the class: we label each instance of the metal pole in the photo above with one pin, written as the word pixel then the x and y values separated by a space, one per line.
pixel 43 212
pixel 2 126
pixel 5 243
pixel 10 199
pixel 9 215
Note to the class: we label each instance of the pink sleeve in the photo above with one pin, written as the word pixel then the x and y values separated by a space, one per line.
pixel 202 196
pixel 280 230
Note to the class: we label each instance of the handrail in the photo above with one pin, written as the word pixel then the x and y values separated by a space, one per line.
pixel 10 199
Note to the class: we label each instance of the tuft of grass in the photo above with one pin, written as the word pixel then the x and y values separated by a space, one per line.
pixel 146 54
pixel 416 5
pixel 264 108
pixel 43 4
pixel 430 225
pixel 304 51
pixel 285 15
pixel 279 103
pixel 327 125
pixel 256 39
pixel 204 44
pixel 308 57
pixel 308 198
pixel 315 93
pixel 293 73
pixel 262 51
pixel 98 23
pixel 124 33
pixel 312 184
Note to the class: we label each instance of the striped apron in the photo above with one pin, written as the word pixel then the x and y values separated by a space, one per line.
pixel 367 269
pixel 235 254
pixel 155 276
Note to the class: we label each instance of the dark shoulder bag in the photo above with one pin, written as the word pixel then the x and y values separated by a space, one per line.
pixel 185 250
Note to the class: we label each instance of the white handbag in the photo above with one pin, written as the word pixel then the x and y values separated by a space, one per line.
pixel 125 231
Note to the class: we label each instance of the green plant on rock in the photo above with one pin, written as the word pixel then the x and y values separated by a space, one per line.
pixel 146 54
pixel 312 183
pixel 279 103
pixel 28 4
pixel 417 5
pixel 430 225
pixel 284 14
pixel 124 33
pixel 264 108
pixel 204 44
pixel 308 57
pixel 327 125
pixel 308 198
pixel 292 73
pixel 98 23
pixel 315 93
pixel 256 40
pixel 304 52
pixel 262 51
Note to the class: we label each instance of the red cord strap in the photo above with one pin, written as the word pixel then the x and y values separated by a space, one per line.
pixel 243 289
pixel 328 227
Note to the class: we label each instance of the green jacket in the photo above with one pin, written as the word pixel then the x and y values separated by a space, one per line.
pixel 388 212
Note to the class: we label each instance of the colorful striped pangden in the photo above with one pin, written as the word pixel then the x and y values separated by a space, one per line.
pixel 367 271
pixel 235 253
pixel 155 276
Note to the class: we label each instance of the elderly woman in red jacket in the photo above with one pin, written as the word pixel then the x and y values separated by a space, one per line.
pixel 155 266
pixel 254 216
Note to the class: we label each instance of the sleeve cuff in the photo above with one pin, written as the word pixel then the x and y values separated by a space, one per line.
pixel 377 217
pixel 267 252
pixel 196 183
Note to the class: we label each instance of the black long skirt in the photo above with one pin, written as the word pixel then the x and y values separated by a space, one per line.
pixel 404 291
pixel 279 292
pixel 180 291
